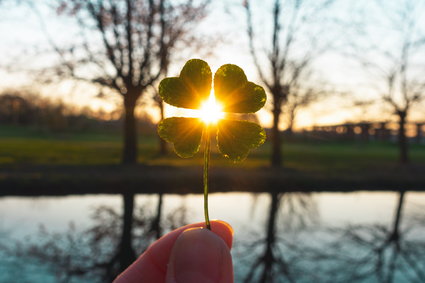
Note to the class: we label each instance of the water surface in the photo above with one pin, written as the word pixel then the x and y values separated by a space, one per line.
pixel 299 237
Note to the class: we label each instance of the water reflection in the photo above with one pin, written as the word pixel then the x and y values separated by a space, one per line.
pixel 374 252
pixel 295 211
pixel 294 244
pixel 101 252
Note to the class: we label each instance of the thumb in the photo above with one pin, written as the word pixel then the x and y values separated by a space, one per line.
pixel 199 255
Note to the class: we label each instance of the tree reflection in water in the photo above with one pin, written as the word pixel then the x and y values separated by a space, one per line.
pixel 271 263
pixel 292 252
pixel 96 254
pixel 369 252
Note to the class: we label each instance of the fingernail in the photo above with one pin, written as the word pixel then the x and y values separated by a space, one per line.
pixel 227 240
pixel 199 255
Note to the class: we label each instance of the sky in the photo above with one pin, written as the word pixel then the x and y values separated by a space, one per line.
pixel 25 47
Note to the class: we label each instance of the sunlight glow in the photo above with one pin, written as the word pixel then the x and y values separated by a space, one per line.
pixel 211 111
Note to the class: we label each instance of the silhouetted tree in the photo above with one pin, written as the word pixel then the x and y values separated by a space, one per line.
pixel 19 107
pixel 126 45
pixel 289 53
pixel 15 109
pixel 390 46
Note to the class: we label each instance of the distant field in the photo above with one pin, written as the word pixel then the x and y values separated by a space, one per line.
pixel 32 147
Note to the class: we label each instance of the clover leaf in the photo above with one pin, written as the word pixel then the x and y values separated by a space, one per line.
pixel 236 138
pixel 191 88
pixel 232 90
pixel 185 133
pixel 240 96
pixel 236 95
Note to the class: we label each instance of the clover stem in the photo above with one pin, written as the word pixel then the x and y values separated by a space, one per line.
pixel 207 150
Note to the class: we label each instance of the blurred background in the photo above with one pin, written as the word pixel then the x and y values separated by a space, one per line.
pixel 336 194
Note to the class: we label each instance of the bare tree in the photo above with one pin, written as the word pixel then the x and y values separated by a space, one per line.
pixel 391 48
pixel 125 47
pixel 287 54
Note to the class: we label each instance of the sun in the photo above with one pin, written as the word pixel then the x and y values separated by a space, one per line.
pixel 211 111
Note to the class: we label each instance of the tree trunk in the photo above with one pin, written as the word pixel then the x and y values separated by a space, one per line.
pixel 130 132
pixel 156 223
pixel 291 120
pixel 289 130
pixel 162 143
pixel 402 139
pixel 269 253
pixel 126 252
pixel 276 157
pixel 395 235
pixel 269 258
pixel 418 137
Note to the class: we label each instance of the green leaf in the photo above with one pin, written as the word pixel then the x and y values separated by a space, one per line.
pixel 197 75
pixel 184 133
pixel 235 93
pixel 174 92
pixel 190 89
pixel 236 138
pixel 249 99
pixel 227 79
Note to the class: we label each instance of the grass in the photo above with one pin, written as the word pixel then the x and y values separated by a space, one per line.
pixel 29 146
pixel 89 162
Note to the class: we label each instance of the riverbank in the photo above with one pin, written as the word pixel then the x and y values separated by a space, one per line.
pixel 35 163
pixel 146 179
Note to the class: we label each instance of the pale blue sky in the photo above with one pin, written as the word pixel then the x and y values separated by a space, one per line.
pixel 22 37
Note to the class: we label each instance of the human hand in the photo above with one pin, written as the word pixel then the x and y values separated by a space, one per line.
pixel 189 254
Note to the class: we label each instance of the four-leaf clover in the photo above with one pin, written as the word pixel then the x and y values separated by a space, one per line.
pixel 235 138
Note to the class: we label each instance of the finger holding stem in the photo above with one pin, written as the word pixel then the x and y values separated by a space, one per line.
pixel 207 150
